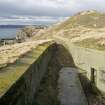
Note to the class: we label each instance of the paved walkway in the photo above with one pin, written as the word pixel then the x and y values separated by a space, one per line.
pixel 70 89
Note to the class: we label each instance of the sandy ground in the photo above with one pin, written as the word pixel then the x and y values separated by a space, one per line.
pixel 10 53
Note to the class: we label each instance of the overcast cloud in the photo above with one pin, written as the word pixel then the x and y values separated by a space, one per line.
pixel 47 8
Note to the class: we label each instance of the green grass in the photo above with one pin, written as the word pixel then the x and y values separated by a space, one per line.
pixel 10 74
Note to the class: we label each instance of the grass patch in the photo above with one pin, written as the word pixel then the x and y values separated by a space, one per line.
pixel 90 43
pixel 10 74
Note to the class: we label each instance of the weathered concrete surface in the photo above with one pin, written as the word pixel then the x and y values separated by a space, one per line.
pixel 70 89
pixel 48 90
pixel 86 59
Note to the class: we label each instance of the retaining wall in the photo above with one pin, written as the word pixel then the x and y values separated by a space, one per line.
pixel 86 59
pixel 21 80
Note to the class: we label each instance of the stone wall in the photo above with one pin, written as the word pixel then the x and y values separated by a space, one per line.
pixel 22 88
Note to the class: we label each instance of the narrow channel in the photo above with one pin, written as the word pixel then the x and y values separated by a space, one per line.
pixel 48 93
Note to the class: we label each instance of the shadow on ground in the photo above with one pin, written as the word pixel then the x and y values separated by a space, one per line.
pixel 48 90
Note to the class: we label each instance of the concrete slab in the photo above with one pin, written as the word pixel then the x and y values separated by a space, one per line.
pixel 70 89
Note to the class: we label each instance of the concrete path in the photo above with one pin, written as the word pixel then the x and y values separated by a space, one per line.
pixel 70 89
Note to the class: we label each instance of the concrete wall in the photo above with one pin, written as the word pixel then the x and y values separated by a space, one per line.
pixel 86 59
pixel 23 88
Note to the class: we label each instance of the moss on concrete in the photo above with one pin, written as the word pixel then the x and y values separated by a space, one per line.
pixel 10 74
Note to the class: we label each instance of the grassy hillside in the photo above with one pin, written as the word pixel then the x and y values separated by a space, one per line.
pixel 89 19
pixel 83 29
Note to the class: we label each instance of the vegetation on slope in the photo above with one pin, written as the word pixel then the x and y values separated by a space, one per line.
pixel 10 74
pixel 88 43
pixel 84 28
pixel 89 19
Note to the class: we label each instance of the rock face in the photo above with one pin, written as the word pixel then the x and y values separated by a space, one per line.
pixel 7 41
pixel 28 32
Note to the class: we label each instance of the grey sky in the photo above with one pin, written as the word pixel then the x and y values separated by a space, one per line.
pixel 44 10
pixel 48 7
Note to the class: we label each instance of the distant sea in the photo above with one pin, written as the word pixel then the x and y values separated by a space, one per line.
pixel 9 31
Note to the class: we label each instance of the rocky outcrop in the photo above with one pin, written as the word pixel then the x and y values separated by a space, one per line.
pixel 28 32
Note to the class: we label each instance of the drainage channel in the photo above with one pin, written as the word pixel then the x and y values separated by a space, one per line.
pixel 47 93
pixel 60 85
